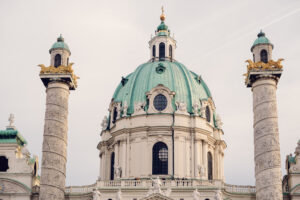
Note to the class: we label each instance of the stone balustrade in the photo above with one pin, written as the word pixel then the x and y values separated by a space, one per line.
pixel 165 184
pixel 239 188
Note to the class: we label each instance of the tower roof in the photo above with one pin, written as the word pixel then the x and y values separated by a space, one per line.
pixel 261 39
pixel 60 44
pixel 12 136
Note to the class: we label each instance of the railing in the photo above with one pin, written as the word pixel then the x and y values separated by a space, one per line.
pixel 239 188
pixel 177 183
pixel 80 189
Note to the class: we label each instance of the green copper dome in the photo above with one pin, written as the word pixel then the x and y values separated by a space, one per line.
pixel 60 44
pixel 188 86
pixel 261 39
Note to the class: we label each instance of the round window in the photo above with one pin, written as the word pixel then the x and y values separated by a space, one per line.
pixel 160 102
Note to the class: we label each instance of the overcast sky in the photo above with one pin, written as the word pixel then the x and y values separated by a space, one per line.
pixel 109 39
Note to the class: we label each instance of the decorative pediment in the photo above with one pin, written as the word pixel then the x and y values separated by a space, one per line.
pixel 9 186
pixel 160 99
pixel 156 196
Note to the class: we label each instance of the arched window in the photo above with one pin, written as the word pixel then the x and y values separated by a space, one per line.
pixel 162 50
pixel 115 114
pixel 170 52
pixel 3 164
pixel 209 166
pixel 153 51
pixel 34 169
pixel 112 164
pixel 57 60
pixel 264 56
pixel 207 113
pixel 160 158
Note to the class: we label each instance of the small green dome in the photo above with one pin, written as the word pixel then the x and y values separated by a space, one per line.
pixel 60 44
pixel 188 86
pixel 162 27
pixel 261 39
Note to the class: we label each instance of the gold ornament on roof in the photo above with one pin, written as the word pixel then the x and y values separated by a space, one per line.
pixel 258 66
pixel 59 70
pixel 162 16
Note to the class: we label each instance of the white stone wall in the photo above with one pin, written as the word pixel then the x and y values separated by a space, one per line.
pixel 266 140
pixel 18 179
pixel 257 49
pixel 64 56
pixel 165 39
pixel 54 156
pixel 132 140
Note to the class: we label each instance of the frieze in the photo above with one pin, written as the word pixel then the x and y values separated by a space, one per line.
pixel 265 93
pixel 268 127
pixel 264 111
pixel 266 143
pixel 267 160
pixel 267 178
pixel 270 193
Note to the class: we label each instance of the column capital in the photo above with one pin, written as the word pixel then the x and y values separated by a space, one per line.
pixel 257 70
pixel 61 73
pixel 254 75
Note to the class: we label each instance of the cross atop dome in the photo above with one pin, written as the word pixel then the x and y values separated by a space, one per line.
pixel 162 16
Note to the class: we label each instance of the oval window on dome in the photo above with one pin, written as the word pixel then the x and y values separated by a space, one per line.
pixel 160 102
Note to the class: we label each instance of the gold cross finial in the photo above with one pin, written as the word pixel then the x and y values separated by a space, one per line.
pixel 162 16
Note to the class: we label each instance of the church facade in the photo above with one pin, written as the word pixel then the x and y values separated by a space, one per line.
pixel 162 137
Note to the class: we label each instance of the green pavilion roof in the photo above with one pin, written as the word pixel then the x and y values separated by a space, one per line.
pixel 12 136
pixel 60 44
pixel 261 39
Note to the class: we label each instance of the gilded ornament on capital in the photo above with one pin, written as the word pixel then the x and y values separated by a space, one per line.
pixel 59 70
pixel 270 65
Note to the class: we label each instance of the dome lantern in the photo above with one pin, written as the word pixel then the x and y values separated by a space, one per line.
pixel 60 53
pixel 262 48
pixel 162 45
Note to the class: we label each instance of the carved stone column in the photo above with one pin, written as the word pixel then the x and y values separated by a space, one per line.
pixel 54 157
pixel 58 82
pixel 266 137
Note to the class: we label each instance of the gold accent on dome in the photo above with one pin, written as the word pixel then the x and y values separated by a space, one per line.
pixel 162 16
pixel 59 70
pixel 258 66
